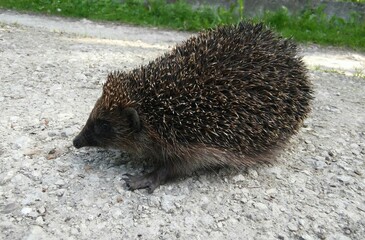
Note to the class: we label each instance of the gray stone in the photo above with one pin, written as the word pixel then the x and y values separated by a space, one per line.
pixel 8 208
pixel 305 236
pixel 6 177
pixel 60 183
pixel 52 133
pixel 238 178
pixel 26 210
pixel 60 192
pixel 319 162
pixel 39 220
pixel 338 236
pixel 252 173
pixel 345 179
pixel 41 210
pixel 37 233
pixel 167 203
pixel 21 143
pixel 69 132
pixel 260 206
pixel 293 226
pixel 75 231
pixel 311 148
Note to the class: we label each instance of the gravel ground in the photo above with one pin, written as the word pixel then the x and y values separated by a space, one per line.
pixel 51 74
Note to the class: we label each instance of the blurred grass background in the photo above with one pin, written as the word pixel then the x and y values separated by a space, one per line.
pixel 310 25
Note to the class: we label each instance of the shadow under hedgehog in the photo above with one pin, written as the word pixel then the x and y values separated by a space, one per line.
pixel 229 96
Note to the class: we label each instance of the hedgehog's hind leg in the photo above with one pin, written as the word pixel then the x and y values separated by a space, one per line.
pixel 150 180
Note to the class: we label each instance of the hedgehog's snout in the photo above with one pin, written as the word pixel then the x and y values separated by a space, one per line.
pixel 79 141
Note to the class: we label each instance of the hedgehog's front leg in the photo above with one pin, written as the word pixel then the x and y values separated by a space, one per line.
pixel 150 180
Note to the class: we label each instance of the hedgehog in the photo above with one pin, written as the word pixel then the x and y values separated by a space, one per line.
pixel 229 96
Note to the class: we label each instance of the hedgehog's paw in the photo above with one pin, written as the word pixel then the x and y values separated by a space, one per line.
pixel 150 180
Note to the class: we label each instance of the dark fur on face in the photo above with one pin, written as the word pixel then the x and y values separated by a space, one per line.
pixel 108 129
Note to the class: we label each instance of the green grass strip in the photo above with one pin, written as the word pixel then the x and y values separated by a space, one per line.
pixel 310 26
pixel 314 26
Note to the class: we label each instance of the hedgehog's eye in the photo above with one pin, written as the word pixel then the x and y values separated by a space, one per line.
pixel 102 127
pixel 105 127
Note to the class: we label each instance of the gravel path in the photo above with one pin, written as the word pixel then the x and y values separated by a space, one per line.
pixel 51 74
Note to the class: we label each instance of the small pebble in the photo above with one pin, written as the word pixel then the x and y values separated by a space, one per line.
pixel 167 203
pixel 52 134
pixel 41 210
pixel 119 199
pixel 260 206
pixel 60 192
pixel 293 226
pixel 21 143
pixel 345 179
pixel 26 210
pixel 36 233
pixel 60 183
pixel 252 173
pixel 238 178
pixel 39 220
pixel 305 236
pixel 74 231
pixel 9 208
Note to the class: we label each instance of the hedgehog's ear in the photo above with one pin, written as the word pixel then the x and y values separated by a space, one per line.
pixel 133 118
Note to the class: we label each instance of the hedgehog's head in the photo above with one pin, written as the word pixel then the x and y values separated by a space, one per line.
pixel 109 128
pixel 113 122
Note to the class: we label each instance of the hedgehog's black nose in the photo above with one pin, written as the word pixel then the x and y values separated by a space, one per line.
pixel 78 142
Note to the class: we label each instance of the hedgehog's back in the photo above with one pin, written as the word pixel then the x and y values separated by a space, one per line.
pixel 240 88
